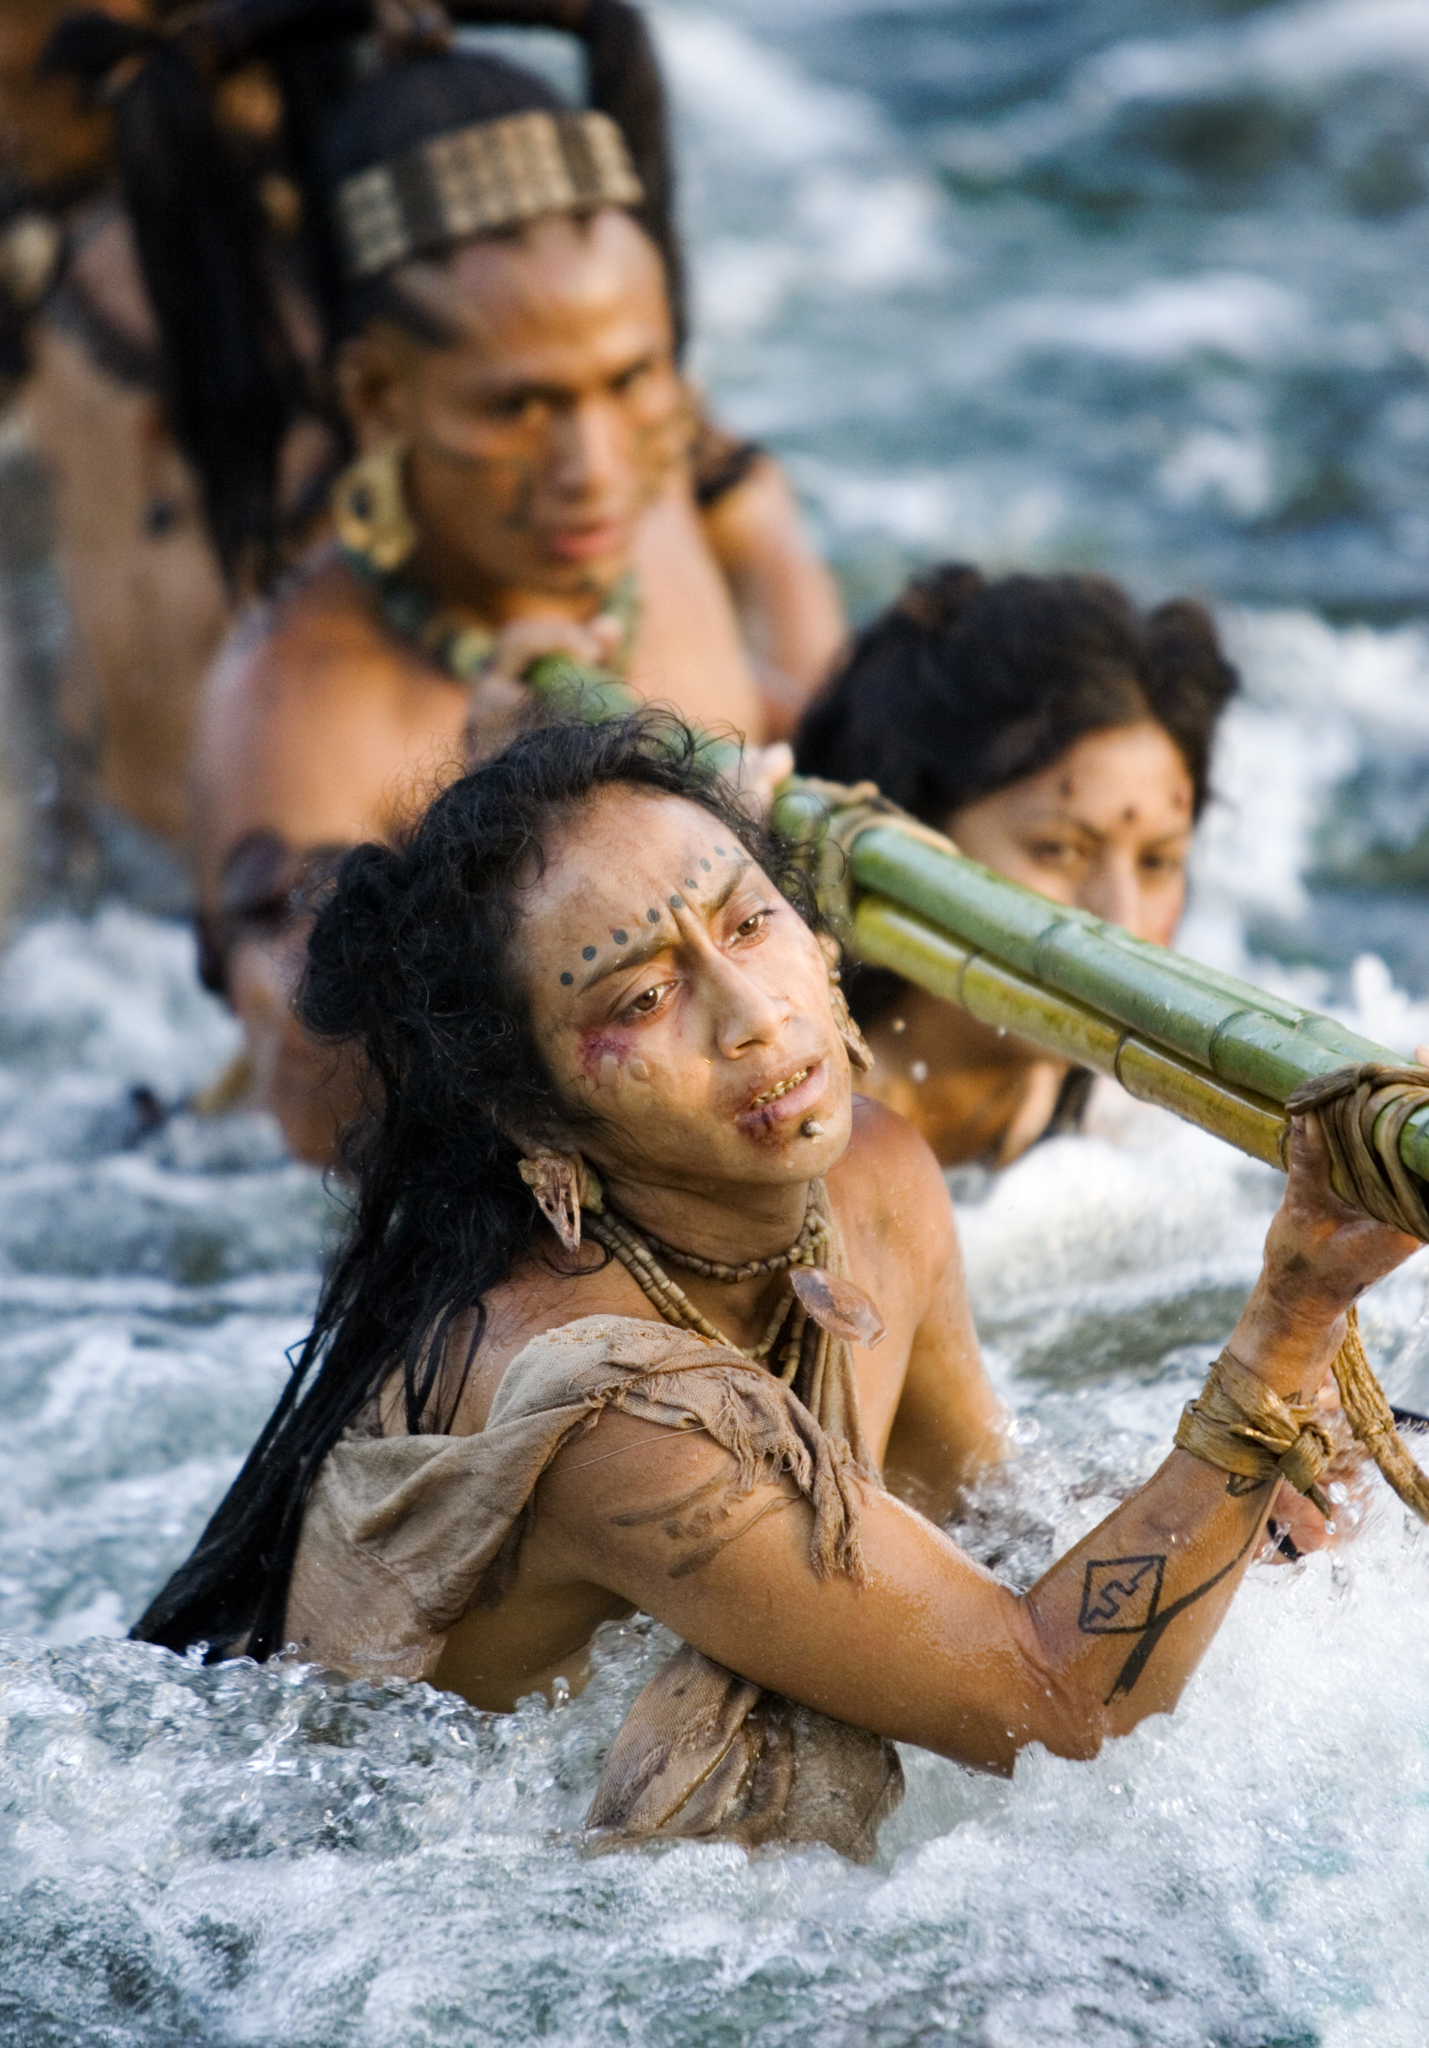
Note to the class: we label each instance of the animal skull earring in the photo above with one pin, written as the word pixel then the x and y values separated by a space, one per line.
pixel 560 1184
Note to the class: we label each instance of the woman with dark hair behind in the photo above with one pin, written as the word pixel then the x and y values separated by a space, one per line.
pixel 603 1336
pixel 1060 736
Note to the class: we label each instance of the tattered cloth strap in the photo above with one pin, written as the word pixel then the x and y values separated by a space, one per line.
pixel 705 1753
pixel 1238 1423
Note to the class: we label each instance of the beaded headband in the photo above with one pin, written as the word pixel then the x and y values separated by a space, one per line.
pixel 492 175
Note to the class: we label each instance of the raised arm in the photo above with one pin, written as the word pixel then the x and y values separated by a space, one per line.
pixel 929 1648
pixel 788 603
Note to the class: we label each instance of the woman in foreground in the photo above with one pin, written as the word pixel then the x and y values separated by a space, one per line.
pixel 1064 739
pixel 644 1309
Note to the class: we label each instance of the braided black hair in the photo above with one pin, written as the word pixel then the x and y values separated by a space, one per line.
pixel 414 957
pixel 213 272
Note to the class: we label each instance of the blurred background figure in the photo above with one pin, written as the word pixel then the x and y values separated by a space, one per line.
pixel 526 467
pixel 1063 738
pixel 146 604
pixel 178 427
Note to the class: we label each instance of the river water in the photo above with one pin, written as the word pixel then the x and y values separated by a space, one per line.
pixel 1084 281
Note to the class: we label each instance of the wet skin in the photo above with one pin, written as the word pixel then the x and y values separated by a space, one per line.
pixel 1106 828
pixel 547 455
pixel 676 1053
pixel 145 594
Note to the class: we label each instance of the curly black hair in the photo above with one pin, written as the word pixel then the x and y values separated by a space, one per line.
pixel 966 685
pixel 414 958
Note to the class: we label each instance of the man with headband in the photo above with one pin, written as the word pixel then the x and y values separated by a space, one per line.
pixel 497 283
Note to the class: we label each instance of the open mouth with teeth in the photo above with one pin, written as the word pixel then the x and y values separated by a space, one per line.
pixel 773 1094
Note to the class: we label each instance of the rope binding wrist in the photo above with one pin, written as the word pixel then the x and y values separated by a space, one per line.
pixel 1241 1426
pixel 1238 1423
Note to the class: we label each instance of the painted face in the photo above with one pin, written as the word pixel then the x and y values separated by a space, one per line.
pixel 677 996
pixel 539 436
pixel 1106 828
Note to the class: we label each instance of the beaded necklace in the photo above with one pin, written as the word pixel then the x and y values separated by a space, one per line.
pixel 454 644
pixel 791 1338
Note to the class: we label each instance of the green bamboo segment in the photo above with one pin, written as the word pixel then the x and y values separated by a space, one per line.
pixel 1216 1051
pixel 1414 1144
pixel 1236 1031
pixel 1247 1121
pixel 997 995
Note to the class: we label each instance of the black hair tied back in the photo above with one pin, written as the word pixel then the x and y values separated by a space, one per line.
pixel 212 264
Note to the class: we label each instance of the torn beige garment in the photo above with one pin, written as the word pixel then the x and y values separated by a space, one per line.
pixel 404 1535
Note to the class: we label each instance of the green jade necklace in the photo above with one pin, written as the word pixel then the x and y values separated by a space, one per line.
pixel 569 687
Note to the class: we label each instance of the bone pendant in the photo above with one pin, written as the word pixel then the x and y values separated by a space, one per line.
pixel 837 1305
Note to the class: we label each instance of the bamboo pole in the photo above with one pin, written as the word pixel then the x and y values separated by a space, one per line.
pixel 1216 1051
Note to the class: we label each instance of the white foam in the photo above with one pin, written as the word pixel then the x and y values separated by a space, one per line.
pixel 1314 695
pixel 118 995
pixel 750 101
pixel 976 513
pixel 1232 313
pixel 1212 463
pixel 1304 48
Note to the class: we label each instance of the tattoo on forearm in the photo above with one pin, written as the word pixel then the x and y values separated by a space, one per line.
pixel 1121 1596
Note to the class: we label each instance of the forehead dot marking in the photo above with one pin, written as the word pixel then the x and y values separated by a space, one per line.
pixel 566 980
pixel 620 937
pixel 720 852
pixel 587 952
pixel 675 903
pixel 653 915
pixel 705 865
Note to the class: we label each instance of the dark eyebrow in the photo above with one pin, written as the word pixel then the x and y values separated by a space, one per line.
pixel 660 942
pixel 1046 821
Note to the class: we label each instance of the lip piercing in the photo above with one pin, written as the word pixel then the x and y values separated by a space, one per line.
pixel 811 1128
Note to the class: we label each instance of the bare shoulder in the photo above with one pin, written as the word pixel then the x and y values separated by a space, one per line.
pixel 317 634
pixel 316 723
pixel 890 1195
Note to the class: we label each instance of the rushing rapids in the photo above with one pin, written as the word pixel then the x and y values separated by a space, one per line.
pixel 276 1857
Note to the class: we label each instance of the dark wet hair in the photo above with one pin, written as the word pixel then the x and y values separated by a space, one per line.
pixel 413 959
pixel 966 685
pixel 211 259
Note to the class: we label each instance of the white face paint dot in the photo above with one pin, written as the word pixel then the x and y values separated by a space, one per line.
pixel 919 1070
